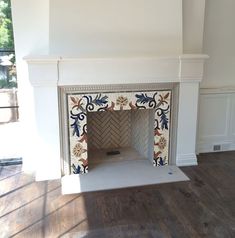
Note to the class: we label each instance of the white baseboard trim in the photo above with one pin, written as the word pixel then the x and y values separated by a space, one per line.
pixel 208 147
pixel 186 160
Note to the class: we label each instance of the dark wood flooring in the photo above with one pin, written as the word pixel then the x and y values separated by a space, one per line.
pixel 202 207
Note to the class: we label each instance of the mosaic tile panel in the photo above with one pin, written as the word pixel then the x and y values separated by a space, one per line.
pixel 80 104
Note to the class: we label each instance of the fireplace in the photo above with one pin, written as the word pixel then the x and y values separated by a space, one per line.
pixel 59 84
pixel 138 120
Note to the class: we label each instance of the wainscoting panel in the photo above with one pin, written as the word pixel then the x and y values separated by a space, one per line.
pixel 216 127
pixel 233 120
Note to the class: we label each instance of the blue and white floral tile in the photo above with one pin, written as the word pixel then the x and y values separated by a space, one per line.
pixel 80 104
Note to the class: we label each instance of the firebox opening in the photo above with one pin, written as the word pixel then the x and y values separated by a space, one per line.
pixel 129 132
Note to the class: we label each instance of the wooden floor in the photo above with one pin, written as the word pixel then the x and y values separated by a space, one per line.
pixel 202 207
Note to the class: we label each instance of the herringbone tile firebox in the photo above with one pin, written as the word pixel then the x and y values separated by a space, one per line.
pixel 118 130
pixel 109 129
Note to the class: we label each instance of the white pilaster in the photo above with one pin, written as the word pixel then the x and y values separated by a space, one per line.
pixel 190 75
pixel 46 141
pixel 187 124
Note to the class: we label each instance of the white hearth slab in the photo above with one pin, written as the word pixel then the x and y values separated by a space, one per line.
pixel 121 174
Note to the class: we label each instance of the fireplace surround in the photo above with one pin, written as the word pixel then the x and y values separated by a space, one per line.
pixel 53 77
pixel 149 130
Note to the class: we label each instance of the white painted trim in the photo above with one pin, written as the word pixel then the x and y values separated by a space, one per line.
pixel 187 121
pixel 191 68
pixel 226 139
pixel 127 70
pixel 207 147
pixel 117 87
pixel 220 90
pixel 44 74
pixel 193 57
pixel 190 80
pixel 41 59
pixel 186 160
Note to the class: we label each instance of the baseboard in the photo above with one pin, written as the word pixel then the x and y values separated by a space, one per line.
pixel 209 147
pixel 186 160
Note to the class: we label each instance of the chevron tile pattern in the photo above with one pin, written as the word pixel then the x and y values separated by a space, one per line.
pixel 109 129
pixel 140 131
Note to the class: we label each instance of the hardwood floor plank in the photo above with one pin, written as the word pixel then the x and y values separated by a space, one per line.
pixel 201 207
pixel 28 194
pixel 15 183
pixel 9 171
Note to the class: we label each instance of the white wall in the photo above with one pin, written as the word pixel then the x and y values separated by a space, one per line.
pixel 31 28
pixel 31 33
pixel 193 26
pixel 217 102
pixel 219 40
pixel 115 27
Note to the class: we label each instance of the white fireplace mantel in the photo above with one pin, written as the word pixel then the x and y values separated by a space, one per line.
pixel 47 74
pixel 48 70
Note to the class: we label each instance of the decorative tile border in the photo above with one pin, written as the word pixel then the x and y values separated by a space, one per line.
pixel 80 104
